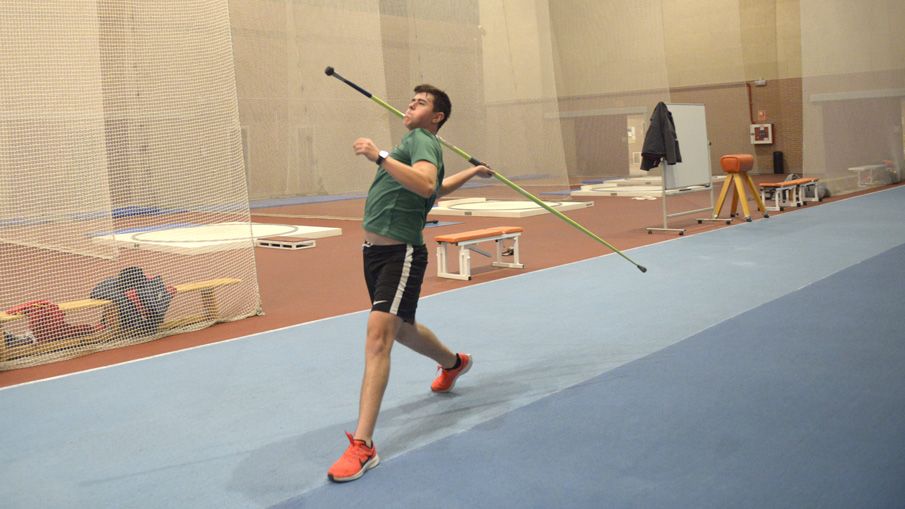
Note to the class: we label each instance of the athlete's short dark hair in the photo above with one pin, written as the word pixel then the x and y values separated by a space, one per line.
pixel 442 103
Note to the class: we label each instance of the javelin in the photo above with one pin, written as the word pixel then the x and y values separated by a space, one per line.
pixel 329 71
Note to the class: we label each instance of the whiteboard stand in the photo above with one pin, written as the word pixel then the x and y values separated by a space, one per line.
pixel 667 192
pixel 693 173
pixel 727 220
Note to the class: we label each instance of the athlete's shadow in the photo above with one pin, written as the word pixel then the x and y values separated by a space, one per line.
pixel 288 468
pixel 283 471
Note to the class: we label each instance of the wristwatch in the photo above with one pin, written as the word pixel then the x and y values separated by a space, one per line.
pixel 381 156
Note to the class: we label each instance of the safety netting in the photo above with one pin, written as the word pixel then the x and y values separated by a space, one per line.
pixel 118 119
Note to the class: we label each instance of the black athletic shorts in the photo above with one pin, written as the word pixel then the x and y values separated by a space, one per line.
pixel 394 275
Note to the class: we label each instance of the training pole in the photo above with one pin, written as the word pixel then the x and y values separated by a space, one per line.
pixel 329 71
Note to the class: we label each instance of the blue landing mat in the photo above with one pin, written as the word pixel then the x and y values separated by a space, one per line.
pixel 796 403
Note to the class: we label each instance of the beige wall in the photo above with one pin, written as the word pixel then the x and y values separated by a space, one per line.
pixel 703 41
pixel 609 47
pixel 853 79
pixel 845 37
pixel 299 125
pixel 51 96
pixel 561 75
pixel 523 133
pixel 515 51
pixel 770 39
pixel 106 104
pixel 422 49
pixel 703 51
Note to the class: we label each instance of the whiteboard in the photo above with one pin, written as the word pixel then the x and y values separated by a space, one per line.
pixel 691 129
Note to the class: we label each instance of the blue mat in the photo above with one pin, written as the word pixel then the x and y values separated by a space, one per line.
pixel 797 403
pixel 255 422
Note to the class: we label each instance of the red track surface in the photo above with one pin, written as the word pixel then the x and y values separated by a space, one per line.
pixel 300 286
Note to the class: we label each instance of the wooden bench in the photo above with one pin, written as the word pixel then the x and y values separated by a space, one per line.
pixel 210 312
pixel 467 241
pixel 73 305
pixel 790 192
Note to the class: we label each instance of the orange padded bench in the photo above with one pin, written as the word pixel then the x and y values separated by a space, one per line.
pixel 789 192
pixel 466 242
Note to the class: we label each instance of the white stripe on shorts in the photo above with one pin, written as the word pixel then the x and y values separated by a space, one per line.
pixel 403 279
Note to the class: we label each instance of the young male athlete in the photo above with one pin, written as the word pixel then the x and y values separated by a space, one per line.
pixel 408 181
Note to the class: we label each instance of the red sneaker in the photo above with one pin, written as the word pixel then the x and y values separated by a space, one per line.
pixel 446 380
pixel 358 459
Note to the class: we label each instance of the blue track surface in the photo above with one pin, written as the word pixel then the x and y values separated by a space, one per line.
pixel 797 403
pixel 692 395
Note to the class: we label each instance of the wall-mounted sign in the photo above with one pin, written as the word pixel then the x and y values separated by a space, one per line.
pixel 761 134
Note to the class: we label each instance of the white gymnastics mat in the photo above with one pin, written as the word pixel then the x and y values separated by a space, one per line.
pixel 482 207
pixel 198 239
pixel 608 189
pixel 636 187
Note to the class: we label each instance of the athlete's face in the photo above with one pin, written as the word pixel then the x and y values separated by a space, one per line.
pixel 420 113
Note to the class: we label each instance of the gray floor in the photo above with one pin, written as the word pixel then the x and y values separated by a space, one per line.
pixel 255 422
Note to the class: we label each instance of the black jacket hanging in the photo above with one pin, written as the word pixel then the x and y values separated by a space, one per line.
pixel 661 140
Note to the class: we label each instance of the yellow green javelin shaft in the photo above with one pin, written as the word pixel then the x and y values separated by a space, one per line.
pixel 329 71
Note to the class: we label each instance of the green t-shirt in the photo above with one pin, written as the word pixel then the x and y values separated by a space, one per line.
pixel 391 209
